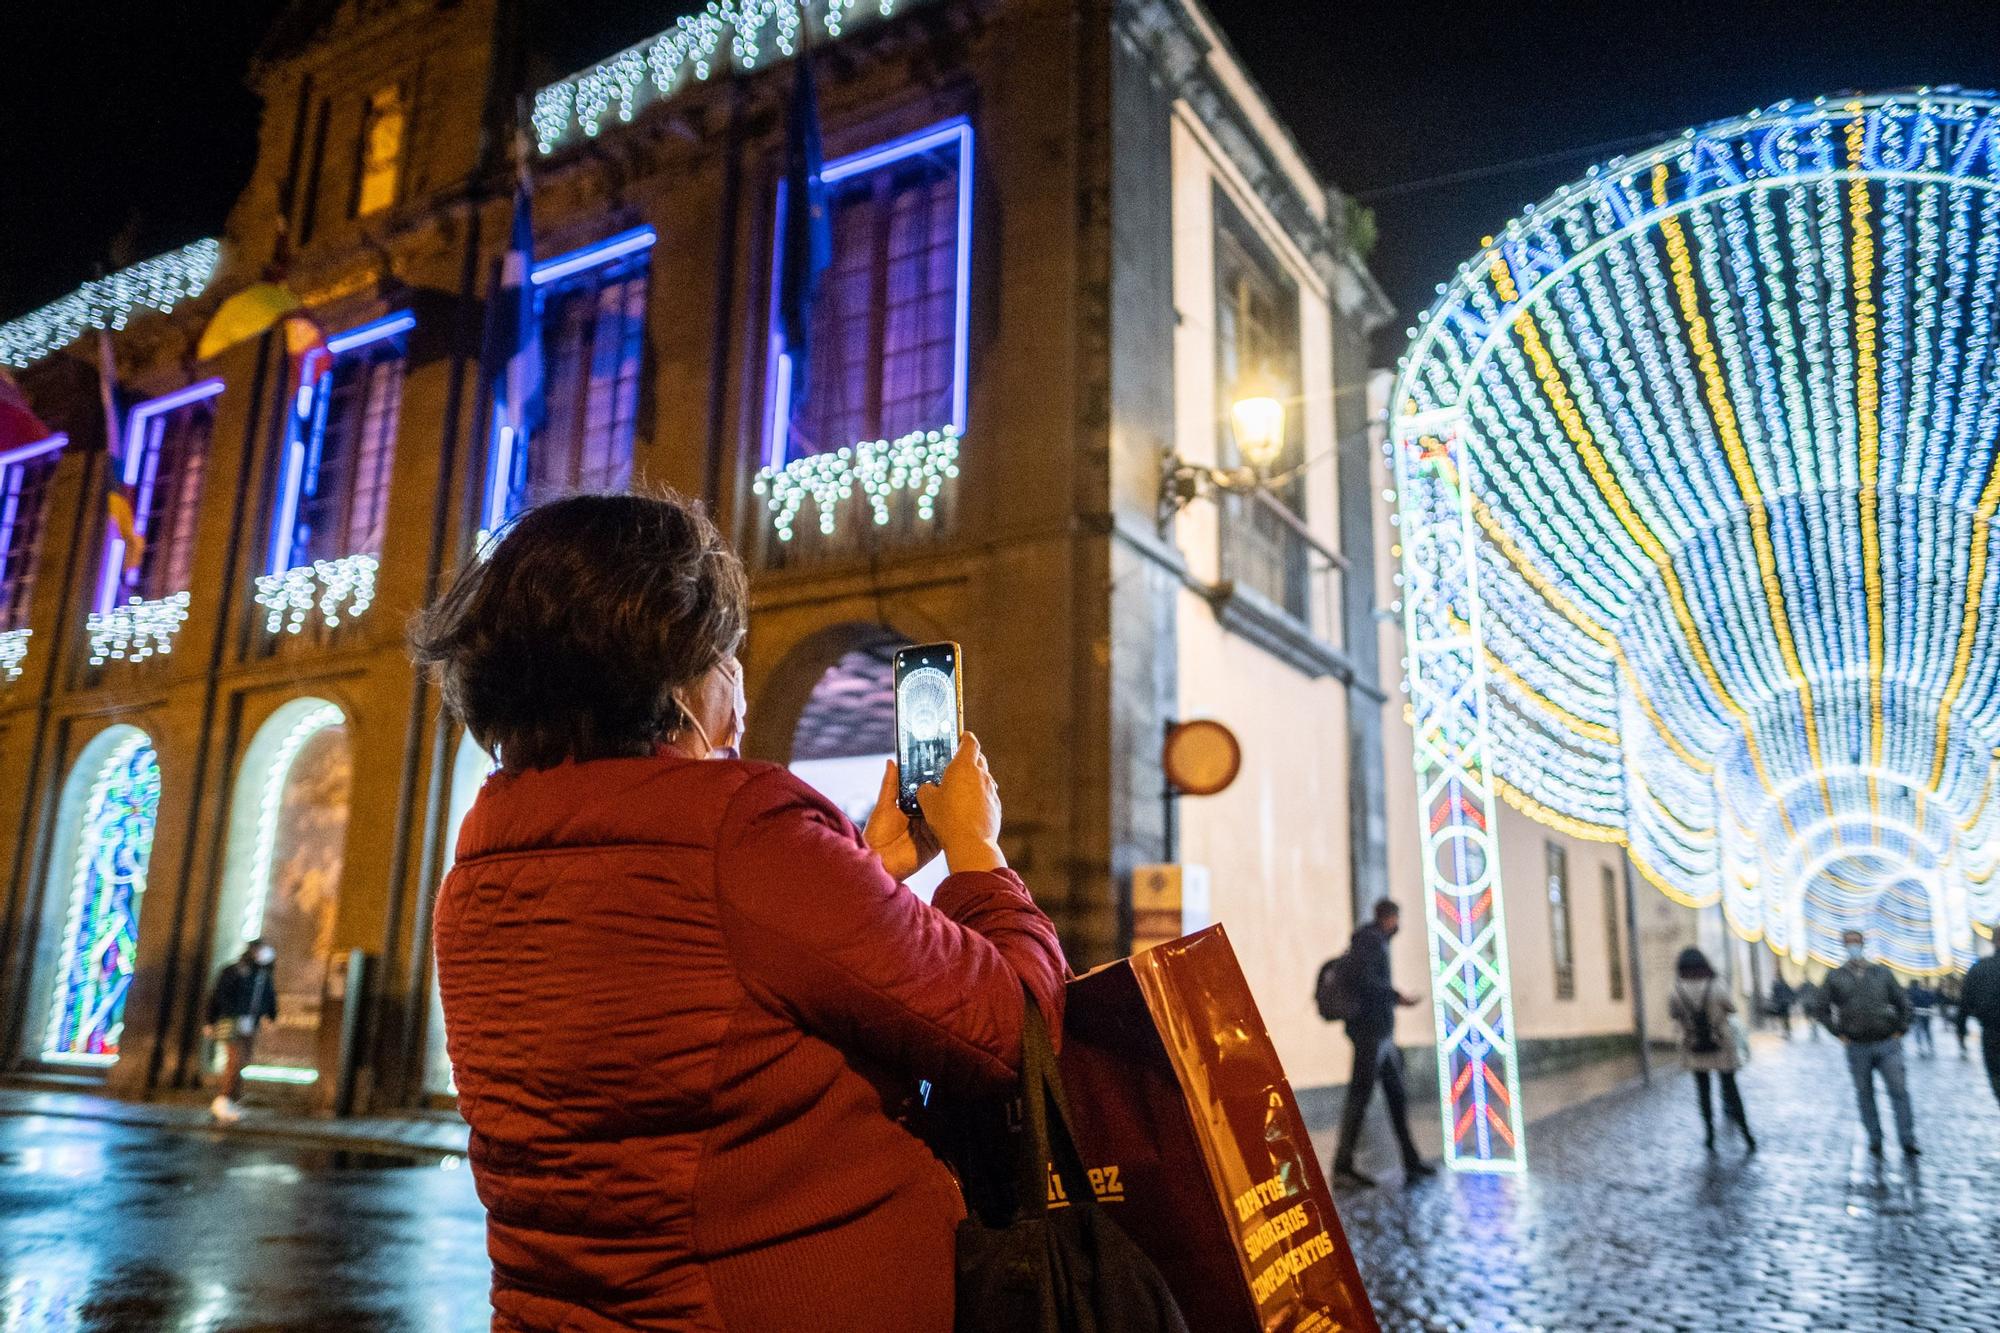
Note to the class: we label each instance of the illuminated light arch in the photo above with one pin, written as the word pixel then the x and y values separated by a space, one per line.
pixel 106 819
pixel 1697 482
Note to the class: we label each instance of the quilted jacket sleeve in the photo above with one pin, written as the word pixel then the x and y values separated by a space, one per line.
pixel 817 927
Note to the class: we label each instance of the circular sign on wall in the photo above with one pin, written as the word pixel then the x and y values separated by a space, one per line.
pixel 1201 757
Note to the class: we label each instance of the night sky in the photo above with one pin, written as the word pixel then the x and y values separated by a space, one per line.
pixel 131 127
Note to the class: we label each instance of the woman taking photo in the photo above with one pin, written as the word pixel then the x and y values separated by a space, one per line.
pixel 1702 1008
pixel 687 1003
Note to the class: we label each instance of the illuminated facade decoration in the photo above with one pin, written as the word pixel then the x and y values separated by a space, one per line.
pixel 142 601
pixel 333 493
pixel 591 303
pixel 1697 472
pixel 891 337
pixel 113 844
pixel 160 284
pixel 725 36
pixel 25 472
pixel 271 807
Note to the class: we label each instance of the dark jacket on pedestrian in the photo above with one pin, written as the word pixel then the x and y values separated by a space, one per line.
pixel 1783 997
pixel 1862 1003
pixel 1980 996
pixel 687 1010
pixel 243 990
pixel 1371 996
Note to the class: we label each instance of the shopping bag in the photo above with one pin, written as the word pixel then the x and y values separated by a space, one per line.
pixel 1192 1140
pixel 1056 1262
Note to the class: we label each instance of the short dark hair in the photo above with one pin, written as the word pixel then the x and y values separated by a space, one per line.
pixel 1693 965
pixel 568 640
pixel 1386 908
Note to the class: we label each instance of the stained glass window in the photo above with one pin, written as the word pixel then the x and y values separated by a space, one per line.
pixel 94 967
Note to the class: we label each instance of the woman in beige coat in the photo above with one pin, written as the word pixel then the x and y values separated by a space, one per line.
pixel 1701 1006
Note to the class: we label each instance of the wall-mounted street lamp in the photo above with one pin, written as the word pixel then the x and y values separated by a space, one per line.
pixel 1257 424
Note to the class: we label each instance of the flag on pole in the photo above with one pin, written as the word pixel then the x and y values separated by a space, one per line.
pixel 514 350
pixel 808 230
pixel 119 506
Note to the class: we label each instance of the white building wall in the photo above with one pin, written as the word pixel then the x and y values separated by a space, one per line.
pixel 1275 843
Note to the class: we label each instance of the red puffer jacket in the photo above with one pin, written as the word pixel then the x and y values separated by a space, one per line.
pixel 684 1002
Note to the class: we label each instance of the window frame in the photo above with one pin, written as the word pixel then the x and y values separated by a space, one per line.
pixel 1233 228
pixel 778 361
pixel 1562 935
pixel 19 457
pixel 308 414
pixel 503 435
pixel 371 115
pixel 145 431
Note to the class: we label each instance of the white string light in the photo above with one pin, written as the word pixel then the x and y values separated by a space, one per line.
pixel 919 463
pixel 137 630
pixel 13 651
pixel 334 588
pixel 726 35
pixel 159 284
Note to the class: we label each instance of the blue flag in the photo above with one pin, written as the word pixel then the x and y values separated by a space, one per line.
pixel 515 349
pixel 808 234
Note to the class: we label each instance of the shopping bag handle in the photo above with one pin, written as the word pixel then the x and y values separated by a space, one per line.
pixel 1046 1137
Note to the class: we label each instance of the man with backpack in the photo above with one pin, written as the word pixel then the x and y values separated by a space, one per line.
pixel 1356 989
pixel 1860 1003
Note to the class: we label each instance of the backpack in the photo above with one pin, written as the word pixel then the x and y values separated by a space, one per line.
pixel 1331 993
pixel 1701 1032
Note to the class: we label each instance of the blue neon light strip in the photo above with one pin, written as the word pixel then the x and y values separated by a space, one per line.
pixel 307 420
pixel 956 132
pixel 143 427
pixel 590 256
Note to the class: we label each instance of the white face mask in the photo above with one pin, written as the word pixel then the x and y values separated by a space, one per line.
pixel 739 709
pixel 266 957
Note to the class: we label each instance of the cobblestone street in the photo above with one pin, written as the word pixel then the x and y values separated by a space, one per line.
pixel 1624 1222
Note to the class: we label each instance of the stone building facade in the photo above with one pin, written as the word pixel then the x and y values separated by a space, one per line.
pixel 1066 238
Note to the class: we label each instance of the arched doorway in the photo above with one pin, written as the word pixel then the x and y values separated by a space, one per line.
pixel 469 770
pixel 281 874
pixel 847 732
pixel 105 821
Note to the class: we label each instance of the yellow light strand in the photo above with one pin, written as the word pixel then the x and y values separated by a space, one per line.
pixel 1868 416
pixel 1576 616
pixel 1716 390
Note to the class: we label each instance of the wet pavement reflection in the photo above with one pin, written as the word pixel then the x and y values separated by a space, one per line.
pixel 1625 1222
pixel 120 1227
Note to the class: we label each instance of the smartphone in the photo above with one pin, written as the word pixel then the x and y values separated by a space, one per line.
pixel 930 714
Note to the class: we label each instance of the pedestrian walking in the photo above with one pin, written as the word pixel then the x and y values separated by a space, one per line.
pixel 688 1004
pixel 1951 1007
pixel 1807 996
pixel 1783 997
pixel 1979 997
pixel 1923 1008
pixel 1860 1003
pixel 243 999
pixel 1702 1008
pixel 1369 1002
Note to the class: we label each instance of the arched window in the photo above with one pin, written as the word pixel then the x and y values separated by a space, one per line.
pixel 469 770
pixel 281 874
pixel 847 733
pixel 109 808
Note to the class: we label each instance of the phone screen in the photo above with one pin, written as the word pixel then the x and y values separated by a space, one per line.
pixel 929 716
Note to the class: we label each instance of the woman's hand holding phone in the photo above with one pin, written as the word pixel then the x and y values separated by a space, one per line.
pixel 963 811
pixel 905 845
